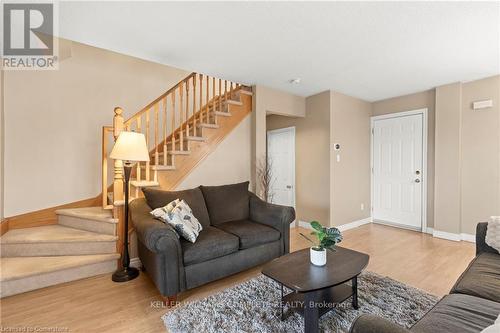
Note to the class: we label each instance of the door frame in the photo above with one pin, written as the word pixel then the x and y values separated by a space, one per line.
pixel 424 177
pixel 282 130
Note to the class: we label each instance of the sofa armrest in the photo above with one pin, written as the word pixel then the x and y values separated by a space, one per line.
pixel 157 236
pixel 276 216
pixel 373 324
pixel 481 245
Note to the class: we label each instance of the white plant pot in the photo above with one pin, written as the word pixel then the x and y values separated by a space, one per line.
pixel 318 257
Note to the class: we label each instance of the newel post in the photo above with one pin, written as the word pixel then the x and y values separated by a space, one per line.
pixel 118 126
pixel 118 169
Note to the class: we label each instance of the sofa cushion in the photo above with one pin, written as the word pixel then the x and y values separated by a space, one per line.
pixel 250 233
pixel 211 243
pixel 227 202
pixel 482 278
pixel 458 313
pixel 193 197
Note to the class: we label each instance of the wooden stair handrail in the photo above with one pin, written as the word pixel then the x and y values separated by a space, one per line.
pixel 150 105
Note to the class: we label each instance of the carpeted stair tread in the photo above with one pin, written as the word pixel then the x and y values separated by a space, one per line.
pixel 53 234
pixel 89 213
pixel 18 268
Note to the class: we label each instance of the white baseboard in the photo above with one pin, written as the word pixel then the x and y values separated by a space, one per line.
pixel 454 237
pixel 355 224
pixel 135 262
pixel 468 238
pixel 343 227
pixel 304 224
pixel 429 231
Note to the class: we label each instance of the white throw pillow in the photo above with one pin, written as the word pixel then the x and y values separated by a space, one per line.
pixel 180 216
pixel 493 233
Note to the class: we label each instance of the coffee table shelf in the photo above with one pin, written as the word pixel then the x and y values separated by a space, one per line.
pixel 330 298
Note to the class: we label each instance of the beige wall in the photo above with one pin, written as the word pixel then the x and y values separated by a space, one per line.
pixel 229 163
pixel 53 122
pixel 312 163
pixel 467 155
pixel 270 101
pixel 480 144
pixel 447 168
pixel 420 100
pixel 350 177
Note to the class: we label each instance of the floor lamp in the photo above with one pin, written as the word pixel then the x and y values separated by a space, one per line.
pixel 129 147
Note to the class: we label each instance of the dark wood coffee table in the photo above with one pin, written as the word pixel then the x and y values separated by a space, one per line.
pixel 317 290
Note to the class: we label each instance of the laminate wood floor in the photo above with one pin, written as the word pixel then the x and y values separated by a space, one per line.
pixel 99 305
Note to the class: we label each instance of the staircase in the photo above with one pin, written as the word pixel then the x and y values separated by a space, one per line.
pixel 82 244
pixel 182 127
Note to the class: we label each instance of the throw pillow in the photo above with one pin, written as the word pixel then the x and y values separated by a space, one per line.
pixel 493 233
pixel 227 203
pixel 180 216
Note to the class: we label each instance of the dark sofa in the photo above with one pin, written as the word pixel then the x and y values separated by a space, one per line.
pixel 472 305
pixel 239 231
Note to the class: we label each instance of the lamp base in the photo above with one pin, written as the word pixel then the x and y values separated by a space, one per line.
pixel 125 274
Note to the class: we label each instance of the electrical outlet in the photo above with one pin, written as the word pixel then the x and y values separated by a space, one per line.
pixel 362 206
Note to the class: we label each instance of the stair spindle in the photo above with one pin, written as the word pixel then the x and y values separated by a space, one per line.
pixel 187 108
pixel 225 90
pixel 213 99
pixel 194 105
pixel 156 125
pixel 220 95
pixel 201 101
pixel 173 123
pixel 147 145
pixel 164 131
pixel 207 99
pixel 181 110
pixel 138 130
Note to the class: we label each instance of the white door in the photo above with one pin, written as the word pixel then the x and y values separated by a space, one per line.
pixel 281 158
pixel 397 161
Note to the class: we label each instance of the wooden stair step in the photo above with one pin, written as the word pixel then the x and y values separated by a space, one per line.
pixel 246 92
pixel 206 125
pixel 195 138
pixel 222 113
pixel 179 152
pixel 234 102
pixel 144 183
pixel 160 167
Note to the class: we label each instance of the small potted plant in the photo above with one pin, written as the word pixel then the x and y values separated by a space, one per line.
pixel 327 239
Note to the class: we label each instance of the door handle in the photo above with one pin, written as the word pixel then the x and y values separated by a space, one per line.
pixel 417 180
pixel 289 186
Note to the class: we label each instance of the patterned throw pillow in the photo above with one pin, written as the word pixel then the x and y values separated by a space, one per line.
pixel 180 216
pixel 493 233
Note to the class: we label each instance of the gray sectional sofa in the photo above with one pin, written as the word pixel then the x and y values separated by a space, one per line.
pixel 472 305
pixel 239 231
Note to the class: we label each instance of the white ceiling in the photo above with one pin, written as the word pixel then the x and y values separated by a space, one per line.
pixel 371 50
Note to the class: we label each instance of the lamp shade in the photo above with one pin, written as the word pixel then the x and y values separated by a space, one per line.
pixel 130 146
